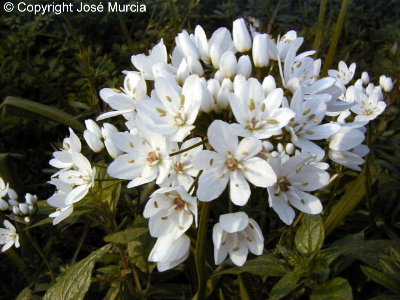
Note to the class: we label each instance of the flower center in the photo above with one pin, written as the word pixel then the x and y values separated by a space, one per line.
pixel 180 119
pixel 283 184
pixel 179 203
pixel 232 164
pixel 152 157
pixel 178 167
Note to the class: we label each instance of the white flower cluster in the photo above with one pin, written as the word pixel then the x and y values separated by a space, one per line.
pixel 237 109
pixel 73 180
pixel 20 212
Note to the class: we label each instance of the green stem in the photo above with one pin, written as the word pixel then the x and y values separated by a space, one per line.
pixel 39 250
pixel 336 36
pixel 320 24
pixel 189 148
pixel 200 252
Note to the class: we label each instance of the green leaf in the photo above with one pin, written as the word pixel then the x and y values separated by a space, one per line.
pixel 310 235
pixel 335 289
pixel 125 236
pixel 388 282
pixel 286 285
pixel 265 265
pixel 138 252
pixel 46 111
pixel 74 284
pixel 354 192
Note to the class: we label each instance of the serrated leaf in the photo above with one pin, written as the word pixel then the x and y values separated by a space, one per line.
pixel 74 284
pixel 388 282
pixel 286 285
pixel 310 235
pixel 335 289
pixel 265 265
pixel 46 111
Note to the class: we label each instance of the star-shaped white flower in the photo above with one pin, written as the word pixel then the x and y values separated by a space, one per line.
pixel 258 115
pixel 171 212
pixel 232 162
pixel 146 157
pixel 295 179
pixel 8 236
pixel 172 110
pixel 236 234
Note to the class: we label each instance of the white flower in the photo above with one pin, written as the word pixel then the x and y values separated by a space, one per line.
pixel 57 200
pixel 182 171
pixel 306 125
pixel 186 45
pixel 107 132
pixel 147 65
pixel 173 110
pixel 287 41
pixel 241 36
pixel 295 179
pixel 232 162
pixel 171 212
pixel 146 158
pixel 258 116
pixel 81 178
pixel 236 234
pixel 368 107
pixel 228 64
pixel 62 159
pixel 244 66
pixel 92 136
pixel 3 188
pixel 61 213
pixel 8 236
pixel 386 83
pixel 345 74
pixel 346 149
pixel 124 102
pixel 169 252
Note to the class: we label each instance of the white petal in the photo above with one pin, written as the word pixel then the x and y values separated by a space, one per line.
pixel 248 147
pixel 305 202
pixel 234 222
pixel 259 172
pixel 239 189
pixel 211 184
pixel 281 207
pixel 221 137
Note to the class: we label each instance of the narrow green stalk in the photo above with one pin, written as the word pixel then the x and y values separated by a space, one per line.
pixel 320 25
pixel 189 148
pixel 336 36
pixel 200 251
pixel 39 250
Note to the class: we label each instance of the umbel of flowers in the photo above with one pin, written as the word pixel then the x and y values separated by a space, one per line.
pixel 236 110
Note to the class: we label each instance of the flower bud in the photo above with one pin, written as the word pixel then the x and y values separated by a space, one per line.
pixel 267 146
pixel 260 50
pixel 93 141
pixel 188 47
pixel 274 154
pixel 30 199
pixel 215 54
pixel 32 209
pixel 365 78
pixel 289 148
pixel 183 72
pixel 213 86
pixel 3 204
pixel 241 36
pixel 12 194
pixel 16 210
pixel 386 83
pixel 269 84
pixel 228 65
pixel 23 208
pixel 280 148
pixel 108 129
pixel 27 219
pixel 195 66
pixel 12 202
pixel 244 66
